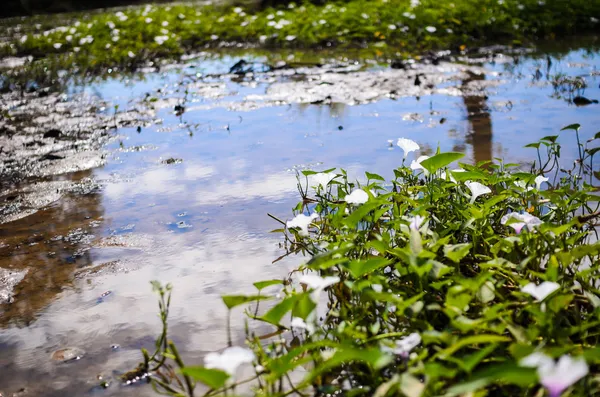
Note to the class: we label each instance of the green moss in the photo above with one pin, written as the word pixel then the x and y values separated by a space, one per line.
pixel 90 43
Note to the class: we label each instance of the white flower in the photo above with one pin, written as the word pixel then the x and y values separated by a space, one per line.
pixel 24 38
pixel 323 178
pixel 165 23
pixel 477 189
pixel 536 360
pixel 540 292
pixel 405 345
pixel 416 222
pixel 302 221
pixel 392 27
pixel 161 39
pixel 556 377
pixel 110 24
pixel 148 20
pixel 237 10
pixel 539 180
pixel 407 145
pixel 358 196
pixel 523 185
pixel 131 54
pixel 431 29
pixel 416 164
pixel 521 220
pixel 57 45
pixel 377 287
pixel 297 322
pixel 317 284
pixel 229 360
pixel 414 3
pixel 290 37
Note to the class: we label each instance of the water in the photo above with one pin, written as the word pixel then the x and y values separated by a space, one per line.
pixel 201 222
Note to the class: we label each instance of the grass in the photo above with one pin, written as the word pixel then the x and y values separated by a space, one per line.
pixel 91 43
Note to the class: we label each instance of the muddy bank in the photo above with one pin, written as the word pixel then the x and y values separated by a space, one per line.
pixel 46 135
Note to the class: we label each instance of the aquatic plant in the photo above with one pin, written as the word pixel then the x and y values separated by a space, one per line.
pixel 446 283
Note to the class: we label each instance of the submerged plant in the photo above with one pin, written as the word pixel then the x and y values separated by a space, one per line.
pixel 420 286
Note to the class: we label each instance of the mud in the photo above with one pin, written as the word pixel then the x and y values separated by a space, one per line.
pixel 8 281
pixel 46 135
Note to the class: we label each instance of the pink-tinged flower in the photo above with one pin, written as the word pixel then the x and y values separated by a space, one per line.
pixel 405 345
pixel 519 221
pixel 556 377
pixel 407 145
pixel 301 222
pixel 477 189
pixel 540 292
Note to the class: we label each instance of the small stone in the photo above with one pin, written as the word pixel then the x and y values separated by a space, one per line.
pixel 68 354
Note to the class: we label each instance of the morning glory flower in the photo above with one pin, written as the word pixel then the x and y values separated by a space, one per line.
pixel 556 377
pixel 539 180
pixel 416 222
pixel 407 145
pixel 523 185
pixel 477 189
pixel 520 221
pixel 407 344
pixel 317 284
pixel 229 360
pixel 323 178
pixel 540 292
pixel 358 196
pixel 302 221
pixel 297 322
pixel 416 164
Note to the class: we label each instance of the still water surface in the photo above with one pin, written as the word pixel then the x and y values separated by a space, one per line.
pixel 201 221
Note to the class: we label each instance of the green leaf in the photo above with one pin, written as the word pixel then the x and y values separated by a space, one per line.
pixel 593 151
pixel 486 293
pixel 213 378
pixel 267 283
pixel 276 313
pixel 506 373
pixel 232 301
pixel 472 340
pixel 304 307
pixel 535 145
pixel 370 356
pixel 307 173
pixel 457 252
pixel 374 177
pixel 438 161
pixel 574 127
pixel 359 268
pixel 468 176
pixel 411 386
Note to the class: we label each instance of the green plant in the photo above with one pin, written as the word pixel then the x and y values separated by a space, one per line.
pixel 467 281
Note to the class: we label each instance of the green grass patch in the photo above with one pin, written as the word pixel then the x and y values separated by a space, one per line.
pixel 125 39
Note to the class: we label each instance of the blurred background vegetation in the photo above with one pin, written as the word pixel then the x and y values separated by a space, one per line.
pixel 29 7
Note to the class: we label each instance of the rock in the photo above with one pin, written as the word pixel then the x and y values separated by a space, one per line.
pixel 67 354
pixel 53 133
pixel 583 101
